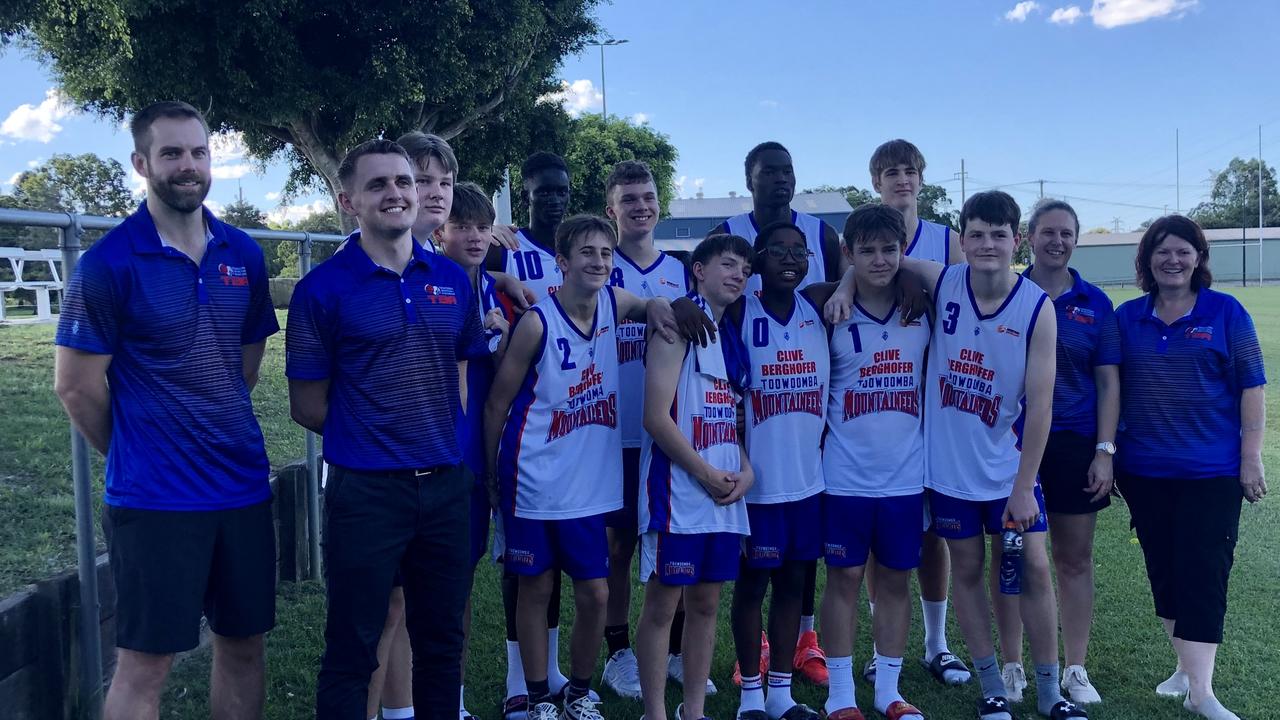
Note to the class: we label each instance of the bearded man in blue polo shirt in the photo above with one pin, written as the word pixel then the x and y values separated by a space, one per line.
pixel 378 336
pixel 162 331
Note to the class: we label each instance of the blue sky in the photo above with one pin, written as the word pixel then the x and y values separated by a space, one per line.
pixel 1084 94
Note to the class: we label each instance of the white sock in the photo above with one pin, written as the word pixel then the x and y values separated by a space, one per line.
pixel 888 669
pixel 840 690
pixel 462 702
pixel 778 700
pixel 806 624
pixel 935 628
pixel 515 671
pixel 555 679
pixel 397 713
pixel 871 608
pixel 752 697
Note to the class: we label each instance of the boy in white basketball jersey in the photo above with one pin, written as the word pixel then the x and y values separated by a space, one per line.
pixel 694 477
pixel 631 201
pixel 545 186
pixel 784 411
pixel 555 449
pixel 873 464
pixel 992 359
pixel 897 174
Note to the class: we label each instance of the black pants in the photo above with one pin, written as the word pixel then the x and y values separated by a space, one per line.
pixel 374 524
pixel 1188 531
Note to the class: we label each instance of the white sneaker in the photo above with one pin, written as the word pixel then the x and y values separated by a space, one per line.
pixel 1075 683
pixel 544 711
pixel 584 708
pixel 1015 681
pixel 1176 685
pixel 675 671
pixel 622 674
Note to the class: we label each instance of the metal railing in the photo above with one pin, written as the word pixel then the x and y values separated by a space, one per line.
pixel 71 228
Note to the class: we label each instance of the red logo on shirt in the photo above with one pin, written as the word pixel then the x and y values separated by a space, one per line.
pixel 438 295
pixel 233 276
pixel 1081 315
pixel 1200 332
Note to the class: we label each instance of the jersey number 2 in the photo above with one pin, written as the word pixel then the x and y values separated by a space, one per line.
pixel 953 317
pixel 565 362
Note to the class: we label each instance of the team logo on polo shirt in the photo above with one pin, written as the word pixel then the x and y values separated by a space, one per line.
pixel 233 276
pixel 1200 332
pixel 1084 316
pixel 440 295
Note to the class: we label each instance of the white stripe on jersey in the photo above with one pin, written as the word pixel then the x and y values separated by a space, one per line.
pixel 930 242
pixel 745 226
pixel 535 267
pixel 561 448
pixel 705 410
pixel 976 388
pixel 875 446
pixel 666 278
pixel 786 403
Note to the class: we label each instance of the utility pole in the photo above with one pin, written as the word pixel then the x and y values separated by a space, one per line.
pixel 1041 189
pixel 604 96
pixel 1116 223
pixel 962 175
pixel 1260 166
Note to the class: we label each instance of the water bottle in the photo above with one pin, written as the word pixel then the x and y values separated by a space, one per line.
pixel 1011 560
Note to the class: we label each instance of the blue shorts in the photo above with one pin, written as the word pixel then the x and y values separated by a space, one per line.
pixel 784 532
pixel 956 519
pixel 577 546
pixel 628 518
pixel 852 527
pixel 480 512
pixel 676 559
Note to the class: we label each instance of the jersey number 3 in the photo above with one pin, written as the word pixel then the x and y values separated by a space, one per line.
pixel 953 317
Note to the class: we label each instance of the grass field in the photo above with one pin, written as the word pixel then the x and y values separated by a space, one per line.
pixel 1129 653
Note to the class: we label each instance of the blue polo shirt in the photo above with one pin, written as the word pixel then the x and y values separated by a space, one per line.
pixel 389 345
pixel 183 433
pixel 1087 338
pixel 1180 387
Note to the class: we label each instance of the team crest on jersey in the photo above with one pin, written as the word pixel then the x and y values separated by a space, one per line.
pixel 602 331
pixel 1008 331
pixel 233 276
pixel 440 295
pixel 668 283
pixel 967 401
pixel 1200 332
pixel 765 405
pixel 806 323
pixel 1084 316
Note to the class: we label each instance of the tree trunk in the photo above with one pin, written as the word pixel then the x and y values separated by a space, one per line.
pixel 325 160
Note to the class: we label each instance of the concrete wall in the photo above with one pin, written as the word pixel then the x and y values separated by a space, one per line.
pixel 1113 264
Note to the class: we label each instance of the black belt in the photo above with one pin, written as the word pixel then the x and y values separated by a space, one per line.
pixel 411 473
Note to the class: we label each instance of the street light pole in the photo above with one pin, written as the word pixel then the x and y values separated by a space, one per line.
pixel 604 96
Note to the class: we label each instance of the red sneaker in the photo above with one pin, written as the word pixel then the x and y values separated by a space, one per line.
pixel 764 661
pixel 810 661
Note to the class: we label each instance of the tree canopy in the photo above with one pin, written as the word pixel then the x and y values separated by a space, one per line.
pixel 1233 200
pixel 309 79
pixel 84 184
pixel 932 203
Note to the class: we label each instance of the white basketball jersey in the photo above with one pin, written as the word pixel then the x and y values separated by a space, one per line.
pixel 535 267
pixel 666 278
pixel 976 387
pixel 786 402
pixel 560 455
pixel 745 226
pixel 705 409
pixel 931 242
pixel 875 442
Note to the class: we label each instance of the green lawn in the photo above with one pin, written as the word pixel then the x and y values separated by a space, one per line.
pixel 1129 654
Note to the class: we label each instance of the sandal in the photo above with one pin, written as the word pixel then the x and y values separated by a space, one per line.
pixel 944 661
pixel 899 708
pixel 849 713
pixel 516 707
pixel 1065 710
pixel 995 708
pixel 800 711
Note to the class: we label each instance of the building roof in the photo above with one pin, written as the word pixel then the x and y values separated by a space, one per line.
pixel 719 208
pixel 1222 235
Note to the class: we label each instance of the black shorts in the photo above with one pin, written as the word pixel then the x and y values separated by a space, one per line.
pixel 1064 474
pixel 171 567
pixel 628 518
pixel 1188 531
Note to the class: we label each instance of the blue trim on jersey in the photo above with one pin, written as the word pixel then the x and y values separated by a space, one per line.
pixel 585 336
pixel 973 301
pixel 809 300
pixel 946 247
pixel 659 477
pixel 790 315
pixel 916 238
pixel 1035 317
pixel 509 449
pixel 937 287
pixel 613 302
pixel 868 313
pixel 643 271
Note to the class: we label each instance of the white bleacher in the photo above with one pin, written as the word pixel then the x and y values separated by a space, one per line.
pixel 19 261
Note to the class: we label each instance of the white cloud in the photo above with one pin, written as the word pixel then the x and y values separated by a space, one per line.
pixel 1109 14
pixel 138 182
pixel 679 183
pixel 769 103
pixel 273 195
pixel 227 146
pixel 697 185
pixel 1020 11
pixel 214 206
pixel 577 97
pixel 640 118
pixel 294 213
pixel 1066 15
pixel 33 164
pixel 38 122
pixel 13 179
pixel 230 172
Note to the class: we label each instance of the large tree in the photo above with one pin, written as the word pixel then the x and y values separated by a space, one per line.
pixel 309 79
pixel 932 203
pixel 1233 200
pixel 84 184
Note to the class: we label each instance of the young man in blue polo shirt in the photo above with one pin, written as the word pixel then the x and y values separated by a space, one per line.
pixel 378 336
pixel 161 335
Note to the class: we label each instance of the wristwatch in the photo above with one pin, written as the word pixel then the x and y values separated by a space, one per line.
pixel 1106 447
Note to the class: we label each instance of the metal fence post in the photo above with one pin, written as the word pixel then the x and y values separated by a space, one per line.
pixel 313 465
pixel 89 702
